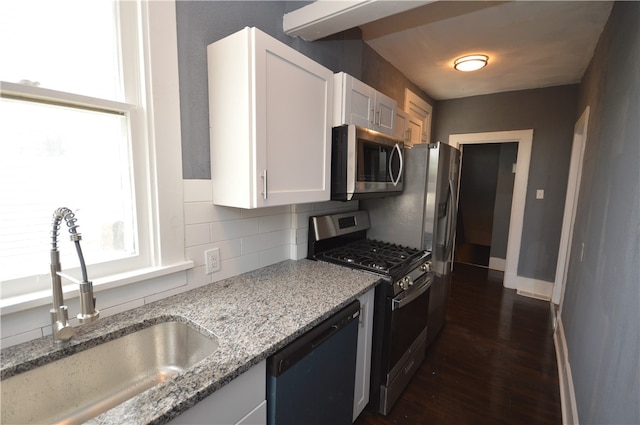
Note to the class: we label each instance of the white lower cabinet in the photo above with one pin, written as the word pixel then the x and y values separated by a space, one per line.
pixel 242 401
pixel 363 357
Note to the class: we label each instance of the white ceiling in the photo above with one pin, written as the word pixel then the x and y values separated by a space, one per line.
pixel 531 44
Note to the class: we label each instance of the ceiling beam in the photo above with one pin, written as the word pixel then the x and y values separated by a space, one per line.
pixel 326 17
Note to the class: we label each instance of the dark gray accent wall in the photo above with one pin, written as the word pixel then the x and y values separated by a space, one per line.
pixel 601 308
pixel 200 23
pixel 381 74
pixel 550 112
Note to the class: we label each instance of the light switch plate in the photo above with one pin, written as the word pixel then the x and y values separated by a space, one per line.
pixel 540 194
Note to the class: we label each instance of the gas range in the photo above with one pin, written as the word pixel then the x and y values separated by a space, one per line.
pixel 401 297
pixel 341 239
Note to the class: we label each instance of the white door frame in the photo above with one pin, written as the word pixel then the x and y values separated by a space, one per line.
pixel 524 138
pixel 570 205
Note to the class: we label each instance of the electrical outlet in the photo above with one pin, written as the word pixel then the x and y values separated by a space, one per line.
pixel 212 260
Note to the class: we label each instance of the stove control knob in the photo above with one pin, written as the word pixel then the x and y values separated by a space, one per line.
pixel 426 267
pixel 404 283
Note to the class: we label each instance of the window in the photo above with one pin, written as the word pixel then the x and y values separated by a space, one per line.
pixel 77 130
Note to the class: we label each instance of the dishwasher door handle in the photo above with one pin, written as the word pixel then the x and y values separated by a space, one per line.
pixel 324 336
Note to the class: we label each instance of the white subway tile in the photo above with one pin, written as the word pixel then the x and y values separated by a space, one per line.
pixel 299 251
pixel 262 212
pixel 197 190
pixel 233 229
pixel 237 265
pixel 274 255
pixel 196 234
pixel 301 236
pixel 197 277
pixel 275 222
pixel 230 248
pixel 265 241
pixel 221 213
pixel 196 253
pixel 166 294
pixel 198 212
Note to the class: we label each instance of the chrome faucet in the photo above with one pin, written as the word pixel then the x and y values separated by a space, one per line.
pixel 62 329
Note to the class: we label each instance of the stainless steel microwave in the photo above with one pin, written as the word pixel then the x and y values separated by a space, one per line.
pixel 365 164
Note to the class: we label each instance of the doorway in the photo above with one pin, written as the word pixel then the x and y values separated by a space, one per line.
pixel 524 139
pixel 484 206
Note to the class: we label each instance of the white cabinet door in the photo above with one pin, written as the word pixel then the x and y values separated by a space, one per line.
pixel 242 400
pixel 408 128
pixel 360 104
pixel 418 107
pixel 413 131
pixel 363 357
pixel 270 118
pixel 385 114
pixel 400 130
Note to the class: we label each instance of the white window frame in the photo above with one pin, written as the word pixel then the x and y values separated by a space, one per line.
pixel 163 175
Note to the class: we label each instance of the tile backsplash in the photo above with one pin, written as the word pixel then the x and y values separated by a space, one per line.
pixel 246 239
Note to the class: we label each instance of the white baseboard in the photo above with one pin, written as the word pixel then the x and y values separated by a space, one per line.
pixel 534 288
pixel 567 394
pixel 497 264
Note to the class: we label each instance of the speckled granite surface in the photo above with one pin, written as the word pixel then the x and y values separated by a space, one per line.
pixel 253 315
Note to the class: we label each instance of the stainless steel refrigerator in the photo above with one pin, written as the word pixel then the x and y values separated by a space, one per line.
pixel 424 217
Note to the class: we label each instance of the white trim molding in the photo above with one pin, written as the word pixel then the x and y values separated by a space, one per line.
pixel 524 138
pixel 496 263
pixel 567 393
pixel 322 18
pixel 570 205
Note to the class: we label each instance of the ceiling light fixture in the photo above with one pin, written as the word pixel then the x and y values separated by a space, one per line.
pixel 470 62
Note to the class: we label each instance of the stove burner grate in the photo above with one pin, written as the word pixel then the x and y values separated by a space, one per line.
pixel 371 254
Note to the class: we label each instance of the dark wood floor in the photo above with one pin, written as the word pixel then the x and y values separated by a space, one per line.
pixel 493 363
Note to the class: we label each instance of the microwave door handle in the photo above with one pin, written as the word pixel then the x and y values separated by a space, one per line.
pixel 397 179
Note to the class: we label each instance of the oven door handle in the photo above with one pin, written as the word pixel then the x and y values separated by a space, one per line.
pixel 404 300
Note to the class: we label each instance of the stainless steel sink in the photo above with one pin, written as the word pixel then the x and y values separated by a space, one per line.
pixel 86 384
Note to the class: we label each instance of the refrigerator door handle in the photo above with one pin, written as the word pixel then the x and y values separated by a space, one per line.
pixel 451 204
pixel 395 181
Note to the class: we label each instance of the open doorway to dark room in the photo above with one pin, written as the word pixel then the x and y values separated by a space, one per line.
pixel 484 206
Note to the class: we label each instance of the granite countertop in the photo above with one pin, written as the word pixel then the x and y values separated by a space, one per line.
pixel 253 315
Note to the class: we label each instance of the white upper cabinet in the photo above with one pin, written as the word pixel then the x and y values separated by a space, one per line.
pixel 359 104
pixel 408 128
pixel 417 107
pixel 270 118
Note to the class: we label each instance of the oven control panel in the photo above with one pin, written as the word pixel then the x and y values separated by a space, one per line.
pixel 407 281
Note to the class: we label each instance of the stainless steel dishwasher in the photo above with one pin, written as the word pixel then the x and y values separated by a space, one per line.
pixel 311 380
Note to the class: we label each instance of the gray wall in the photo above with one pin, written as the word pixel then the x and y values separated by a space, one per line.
pixel 601 308
pixel 550 112
pixel 200 23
